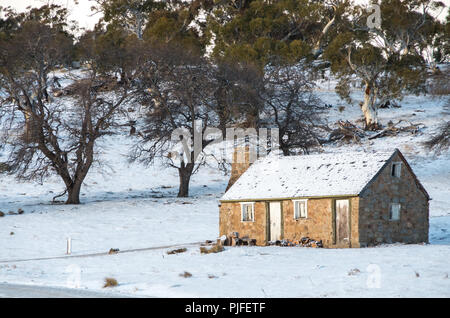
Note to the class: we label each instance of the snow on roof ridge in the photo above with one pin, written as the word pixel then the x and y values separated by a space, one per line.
pixel 329 174
pixel 345 153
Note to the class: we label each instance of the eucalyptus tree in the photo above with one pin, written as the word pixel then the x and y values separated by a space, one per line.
pixel 387 59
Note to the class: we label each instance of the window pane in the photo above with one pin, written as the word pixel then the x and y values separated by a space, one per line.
pixel 247 212
pixel 302 210
pixel 299 209
pixel 395 211
pixel 396 169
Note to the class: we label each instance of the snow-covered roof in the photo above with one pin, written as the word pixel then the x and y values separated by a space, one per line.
pixel 331 174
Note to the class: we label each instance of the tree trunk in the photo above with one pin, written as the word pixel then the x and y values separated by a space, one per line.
pixel 29 132
pixel 139 24
pixel 369 109
pixel 74 193
pixel 223 125
pixel 285 149
pixel 185 173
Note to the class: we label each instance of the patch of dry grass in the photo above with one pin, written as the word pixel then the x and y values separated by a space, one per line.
pixel 186 274
pixel 217 248
pixel 177 251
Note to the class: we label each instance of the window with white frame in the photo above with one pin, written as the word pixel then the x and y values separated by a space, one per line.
pixel 394 212
pixel 300 209
pixel 396 169
pixel 248 212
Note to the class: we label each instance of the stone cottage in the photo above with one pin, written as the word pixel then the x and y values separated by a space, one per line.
pixel 344 199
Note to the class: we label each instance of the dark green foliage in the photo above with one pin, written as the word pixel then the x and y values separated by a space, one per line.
pixel 260 30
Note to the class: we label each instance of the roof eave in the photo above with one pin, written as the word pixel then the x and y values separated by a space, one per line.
pixel 290 198
pixel 420 186
pixel 378 172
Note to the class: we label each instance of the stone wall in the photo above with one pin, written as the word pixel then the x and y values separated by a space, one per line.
pixel 318 225
pixel 230 221
pixel 374 224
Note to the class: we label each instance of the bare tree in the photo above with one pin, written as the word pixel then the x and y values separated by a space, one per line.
pixel 439 88
pixel 236 94
pixel 292 106
pixel 61 134
pixel 177 88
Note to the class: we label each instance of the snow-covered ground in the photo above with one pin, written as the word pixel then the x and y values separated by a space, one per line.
pixel 129 206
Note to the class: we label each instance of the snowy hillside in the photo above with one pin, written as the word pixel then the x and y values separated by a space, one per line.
pixel 129 206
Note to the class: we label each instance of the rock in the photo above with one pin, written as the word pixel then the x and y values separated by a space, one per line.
pixel 222 240
pixel 113 251
pixel 2 214
pixel 353 272
pixel 20 211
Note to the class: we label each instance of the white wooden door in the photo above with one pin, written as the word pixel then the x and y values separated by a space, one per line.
pixel 275 220
pixel 342 221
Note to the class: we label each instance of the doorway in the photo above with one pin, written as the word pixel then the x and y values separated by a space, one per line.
pixel 275 221
pixel 342 227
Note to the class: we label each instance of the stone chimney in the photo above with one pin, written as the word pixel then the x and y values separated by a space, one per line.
pixel 241 162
